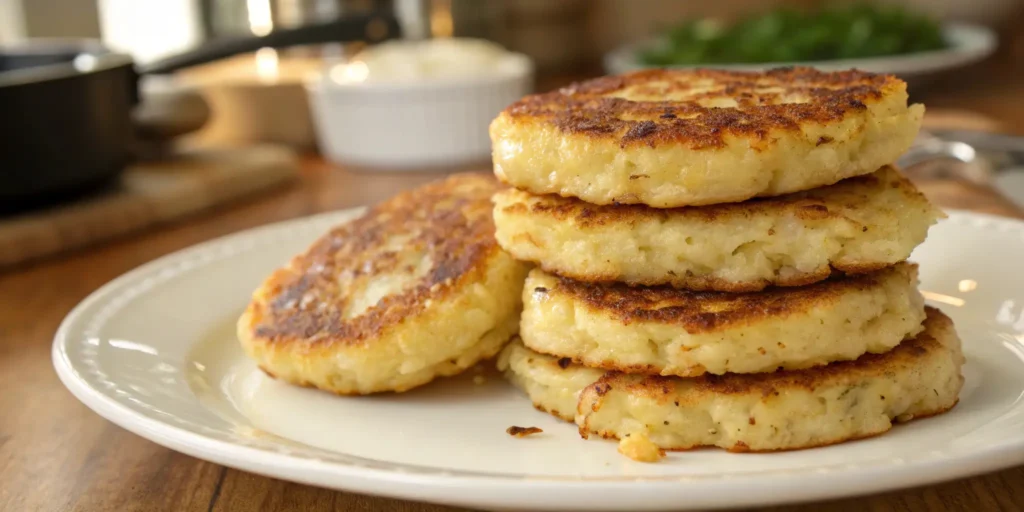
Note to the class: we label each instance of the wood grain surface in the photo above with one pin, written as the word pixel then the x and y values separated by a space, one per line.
pixel 57 455
pixel 148 193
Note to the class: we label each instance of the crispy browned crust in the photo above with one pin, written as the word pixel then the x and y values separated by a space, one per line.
pixel 711 283
pixel 599 109
pixel 702 312
pixel 449 221
pixel 809 205
pixel 664 389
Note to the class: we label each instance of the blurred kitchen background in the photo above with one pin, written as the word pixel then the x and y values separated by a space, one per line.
pixel 573 33
pixel 239 96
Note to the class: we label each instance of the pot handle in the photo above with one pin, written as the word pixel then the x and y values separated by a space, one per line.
pixel 371 28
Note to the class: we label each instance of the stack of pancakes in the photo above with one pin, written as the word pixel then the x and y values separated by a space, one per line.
pixel 721 259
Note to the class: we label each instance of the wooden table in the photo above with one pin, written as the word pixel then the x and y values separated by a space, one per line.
pixel 55 454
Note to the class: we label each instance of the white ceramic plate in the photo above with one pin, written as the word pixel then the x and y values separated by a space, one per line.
pixel 968 44
pixel 154 352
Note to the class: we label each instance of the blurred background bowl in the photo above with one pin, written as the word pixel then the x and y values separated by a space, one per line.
pixel 388 117
pixel 967 44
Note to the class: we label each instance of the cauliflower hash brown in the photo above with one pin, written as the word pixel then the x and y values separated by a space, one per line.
pixel 857 225
pixel 665 331
pixel 782 410
pixel 669 138
pixel 414 289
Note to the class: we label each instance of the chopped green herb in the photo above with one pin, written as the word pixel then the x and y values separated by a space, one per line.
pixel 859 30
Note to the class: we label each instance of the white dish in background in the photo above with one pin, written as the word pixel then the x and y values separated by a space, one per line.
pixel 1010 183
pixel 416 104
pixel 154 351
pixel 968 44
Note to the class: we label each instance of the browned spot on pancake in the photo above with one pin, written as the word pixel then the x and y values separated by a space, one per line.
pixel 665 108
pixel 639 131
pixel 448 221
pixel 824 139
pixel 601 388
pixel 858 268
pixel 814 211
pixel 702 312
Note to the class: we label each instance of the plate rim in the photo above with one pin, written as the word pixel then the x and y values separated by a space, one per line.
pixel 498 490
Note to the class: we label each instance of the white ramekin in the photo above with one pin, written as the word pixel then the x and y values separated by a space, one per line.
pixel 414 125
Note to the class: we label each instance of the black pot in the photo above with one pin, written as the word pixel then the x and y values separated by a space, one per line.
pixel 67 106
pixel 67 119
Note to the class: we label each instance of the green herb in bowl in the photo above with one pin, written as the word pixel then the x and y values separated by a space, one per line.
pixel 786 35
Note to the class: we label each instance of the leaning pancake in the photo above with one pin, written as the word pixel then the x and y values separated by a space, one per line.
pixel 668 331
pixel 670 138
pixel 415 288
pixel 756 412
pixel 857 225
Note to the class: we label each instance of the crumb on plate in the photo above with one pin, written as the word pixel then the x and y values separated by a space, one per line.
pixel 640 448
pixel 522 431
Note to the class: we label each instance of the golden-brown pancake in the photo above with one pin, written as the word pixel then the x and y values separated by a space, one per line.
pixel 668 138
pixel 858 225
pixel 782 410
pixel 667 331
pixel 415 288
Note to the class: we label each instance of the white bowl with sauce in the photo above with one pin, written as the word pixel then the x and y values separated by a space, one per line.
pixel 406 105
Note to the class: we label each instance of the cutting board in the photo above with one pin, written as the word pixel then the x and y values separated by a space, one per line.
pixel 148 193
